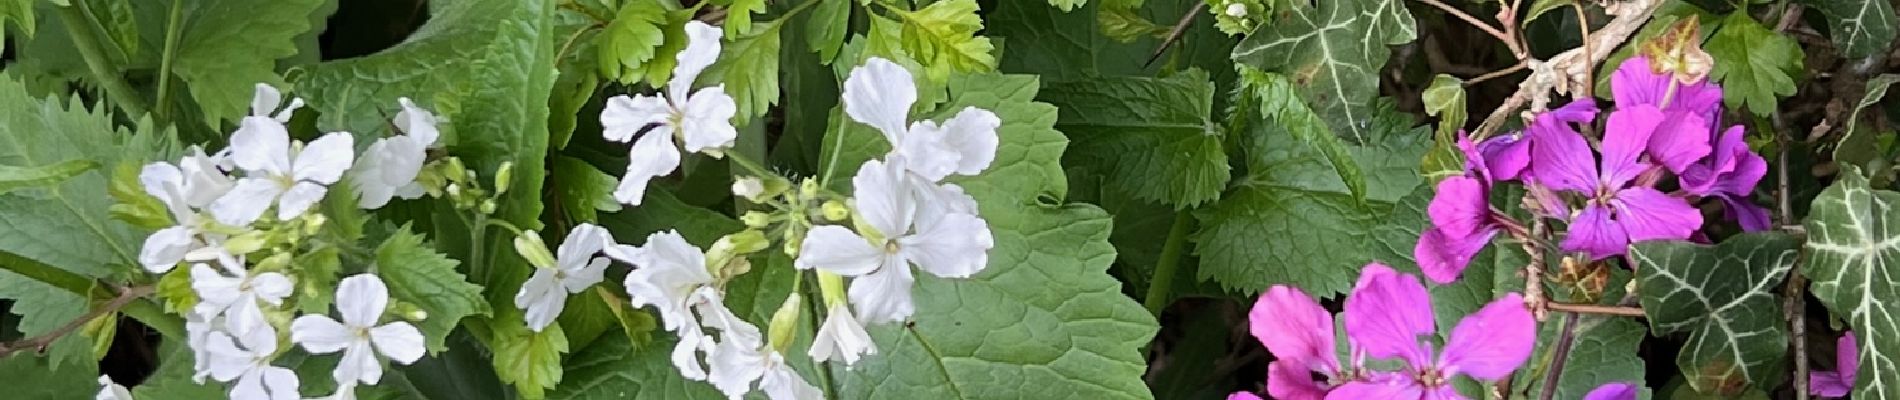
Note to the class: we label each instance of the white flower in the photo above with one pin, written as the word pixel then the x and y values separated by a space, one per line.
pixel 671 275
pixel 109 390
pixel 573 269
pixel 195 182
pixel 361 300
pixel 748 187
pixel 264 102
pixel 880 94
pixel 739 360
pixel 841 337
pixel 235 294
pixel 246 358
pixel 389 166
pixel 702 119
pixel 947 244
pixel 198 332
pixel 292 176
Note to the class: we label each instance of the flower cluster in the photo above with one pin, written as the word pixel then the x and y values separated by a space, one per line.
pixel 1387 316
pixel 220 206
pixel 1610 196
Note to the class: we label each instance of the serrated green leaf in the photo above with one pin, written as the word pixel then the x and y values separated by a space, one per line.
pixel 15 178
pixel 1724 297
pixel 662 211
pixel 44 308
pixel 230 46
pixel 1858 146
pixel 748 66
pixel 417 274
pixel 830 21
pixel 631 40
pixel 1278 103
pixel 1261 235
pixel 942 37
pixel 173 379
pixel 613 368
pixel 1333 53
pixel 1848 251
pixel 529 360
pixel 1860 28
pixel 47 382
pixel 1044 319
pixel 1067 5
pixel 739 15
pixel 1153 137
pixel 1755 65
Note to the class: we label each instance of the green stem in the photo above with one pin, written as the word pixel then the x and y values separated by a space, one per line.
pixel 817 308
pixel 88 41
pixel 478 241
pixel 59 278
pixel 1161 284
pixel 173 29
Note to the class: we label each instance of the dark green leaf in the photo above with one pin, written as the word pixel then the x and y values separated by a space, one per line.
pixel 1858 146
pixel 229 46
pixel 1849 246
pixel 1860 28
pixel 1333 52
pixel 15 178
pixel 418 275
pixel 1724 297
pixel 1755 65
pixel 1153 138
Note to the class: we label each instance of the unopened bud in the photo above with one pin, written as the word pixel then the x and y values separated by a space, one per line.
pixel 756 219
pixel 836 211
pixel 503 177
pixel 453 169
pixel 1236 10
pixel 313 222
pixel 247 243
pixel 750 188
pixel 808 189
pixel 454 191
pixel 794 238
pixel 530 246
pixel 785 323
pixel 487 207
pixel 831 286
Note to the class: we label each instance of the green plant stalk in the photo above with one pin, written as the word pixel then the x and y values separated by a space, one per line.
pixel 59 278
pixel 1161 285
pixel 173 29
pixel 87 41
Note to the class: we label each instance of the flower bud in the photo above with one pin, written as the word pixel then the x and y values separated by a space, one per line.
pixel 247 243
pixel 750 188
pixel 831 286
pixel 487 207
pixel 503 177
pixel 756 219
pixel 784 325
pixel 1236 10
pixel 808 189
pixel 453 170
pixel 794 238
pixel 836 211
pixel 530 246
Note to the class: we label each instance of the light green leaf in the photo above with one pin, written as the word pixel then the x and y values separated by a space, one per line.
pixel 1152 137
pixel 1755 65
pixel 942 37
pixel 1068 5
pixel 613 368
pixel 1445 99
pixel 739 15
pixel 1849 249
pixel 632 39
pixel 21 13
pixel 44 308
pixel 529 360
pixel 418 275
pixel 1333 53
pixel 15 178
pixel 1044 319
pixel 172 380
pixel 748 66
pixel 1858 146
pixel 46 382
pixel 826 30
pixel 1860 28
pixel 1723 296
pixel 229 46
pixel 1260 235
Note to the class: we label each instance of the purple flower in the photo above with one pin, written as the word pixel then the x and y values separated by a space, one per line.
pixel 1613 391
pixel 1389 315
pixel 1461 226
pixel 1243 396
pixel 1681 137
pixel 1299 333
pixel 1617 212
pixel 1840 381
pixel 1730 174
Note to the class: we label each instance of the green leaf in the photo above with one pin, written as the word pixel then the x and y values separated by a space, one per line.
pixel 1333 53
pixel 21 13
pixel 1724 297
pixel 1539 7
pixel 1849 245
pixel 1068 5
pixel 1044 319
pixel 1261 235
pixel 418 275
pixel 581 190
pixel 44 308
pixel 748 66
pixel 46 381
pixel 529 360
pixel 662 211
pixel 229 46
pixel 942 37
pixel 1152 137
pixel 1860 28
pixel 1603 349
pixel 1859 147
pixel 614 368
pixel 1445 99
pixel 825 32
pixel 15 178
pixel 739 15
pixel 1755 65
pixel 1276 96
pixel 633 38
pixel 172 380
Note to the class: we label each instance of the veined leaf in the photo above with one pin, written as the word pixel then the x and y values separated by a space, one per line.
pixel 417 275
pixel 529 360
pixel 613 368
pixel 1859 147
pixel 1445 99
pixel 739 15
pixel 44 308
pixel 1850 245
pixel 1153 137
pixel 229 46
pixel 1755 65
pixel 942 36
pixel 1260 235
pixel 1333 52
pixel 15 178
pixel 1860 28
pixel 1603 349
pixel 830 21
pixel 631 40
pixel 1723 296
pixel 749 66
pixel 1276 97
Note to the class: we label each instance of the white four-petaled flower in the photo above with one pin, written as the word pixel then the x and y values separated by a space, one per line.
pixel 702 119
pixel 739 360
pixel 940 240
pixel 246 359
pixel 574 268
pixel 289 174
pixel 841 337
pixel 194 183
pixel 880 94
pixel 388 168
pixel 670 274
pixel 236 293
pixel 360 300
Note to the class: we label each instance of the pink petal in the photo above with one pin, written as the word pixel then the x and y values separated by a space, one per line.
pixel 1499 158
pixel 1748 168
pixel 1460 207
pixel 1295 329
pixel 1387 315
pixel 1635 83
pixel 1243 396
pixel 1847 357
pixel 1443 257
pixel 1391 389
pixel 1829 384
pixel 1647 214
pixel 1703 98
pixel 1624 140
pixel 1753 217
pixel 1576 112
pixel 1493 342
pixel 1680 140
pixel 1613 391
pixel 1593 232
pixel 1291 382
pixel 1561 159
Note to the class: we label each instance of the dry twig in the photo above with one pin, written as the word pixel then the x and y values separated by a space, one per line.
pixel 39 343
pixel 1571 68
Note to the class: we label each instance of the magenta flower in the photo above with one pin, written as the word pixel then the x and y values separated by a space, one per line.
pixel 1840 381
pixel 1616 212
pixel 1389 315
pixel 1688 111
pixel 1299 333
pixel 1462 225
pixel 1730 175
pixel 1613 391
pixel 1243 396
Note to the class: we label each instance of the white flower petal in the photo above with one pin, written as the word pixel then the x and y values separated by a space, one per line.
pixel 580 246
pixel 883 199
pixel 623 253
pixel 162 180
pixel 399 341
pixel 581 279
pixel 261 145
pixel 714 314
pixel 324 160
pixel 706 122
pixel 702 48
pixel 215 291
pixel 245 317
pixel 265 99
pixel 652 156
pixel 972 135
pixel 542 298
pixel 299 199
pixel 205 179
pixel 836 249
pixel 782 383
pixel 922 151
pixel 281 382
pixel 884 296
pixel 734 365
pixel 373 195
pixel 361 299
pixel 880 93
pixel 246 202
pixel 321 335
pixel 109 390
pixel 165 248
pixel 228 361
pixel 271 287
pixel 956 247
pixel 359 364
pixel 936 201
pixel 686 353
pixel 417 122
pixel 402 158
pixel 841 337
pixel 625 116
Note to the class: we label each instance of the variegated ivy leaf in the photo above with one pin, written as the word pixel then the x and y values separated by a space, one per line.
pixel 1723 296
pixel 1851 247
pixel 1859 27
pixel 1333 51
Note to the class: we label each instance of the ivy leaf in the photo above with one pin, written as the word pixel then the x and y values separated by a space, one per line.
pixel 1755 65
pixel 1723 296
pixel 1333 52
pixel 942 37
pixel 418 275
pixel 749 67
pixel 15 178
pixel 1603 349
pixel 1859 147
pixel 529 360
pixel 1152 137
pixel 1860 28
pixel 1044 319
pixel 1849 245
pixel 230 46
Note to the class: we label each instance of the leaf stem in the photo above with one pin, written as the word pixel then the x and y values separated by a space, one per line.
pixel 59 278
pixel 1161 284
pixel 88 42
pixel 39 343
pixel 1175 34
pixel 173 29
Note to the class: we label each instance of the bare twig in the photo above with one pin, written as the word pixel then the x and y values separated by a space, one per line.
pixel 1793 305
pixel 39 343
pixel 1496 74
pixel 1560 356
pixel 1571 67
pixel 1534 272
pixel 1583 26
pixel 1174 35
pixel 1621 311
pixel 1508 40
